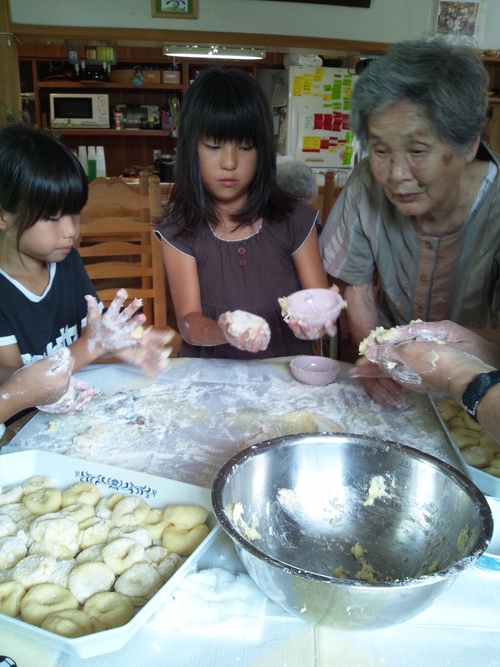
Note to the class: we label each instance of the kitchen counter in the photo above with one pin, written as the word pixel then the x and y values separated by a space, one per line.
pixel 210 409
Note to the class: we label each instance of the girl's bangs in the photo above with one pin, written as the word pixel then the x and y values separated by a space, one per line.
pixel 55 194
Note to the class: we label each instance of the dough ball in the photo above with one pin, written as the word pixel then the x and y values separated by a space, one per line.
pixel 109 610
pixel 184 542
pixel 105 506
pixel 45 599
pixel 154 523
pixel 95 531
pixel 83 492
pixel 241 322
pixel 479 457
pixel 165 562
pixel 14 494
pixel 122 553
pixel 55 535
pixel 185 516
pixel 34 570
pixel 62 570
pixel 91 554
pixel 8 526
pixel 139 583
pixel 69 623
pixel 37 483
pixel 12 550
pixel 44 501
pixel 137 533
pixel 130 512
pixel 79 512
pixel 11 594
pixel 89 578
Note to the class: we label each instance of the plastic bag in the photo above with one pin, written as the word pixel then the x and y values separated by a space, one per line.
pixel 302 60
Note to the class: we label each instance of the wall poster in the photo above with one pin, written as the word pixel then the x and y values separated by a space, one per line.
pixel 460 19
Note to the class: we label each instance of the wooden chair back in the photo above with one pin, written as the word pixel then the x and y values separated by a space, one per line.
pixel 118 247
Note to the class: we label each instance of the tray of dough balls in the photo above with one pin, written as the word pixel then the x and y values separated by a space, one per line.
pixel 88 551
pixel 479 452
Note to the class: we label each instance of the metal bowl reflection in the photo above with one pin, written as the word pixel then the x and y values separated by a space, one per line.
pixel 312 515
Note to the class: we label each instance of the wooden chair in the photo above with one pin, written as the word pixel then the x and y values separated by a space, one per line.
pixel 330 194
pixel 118 246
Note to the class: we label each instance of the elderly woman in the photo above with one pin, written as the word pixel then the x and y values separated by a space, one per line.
pixel 423 209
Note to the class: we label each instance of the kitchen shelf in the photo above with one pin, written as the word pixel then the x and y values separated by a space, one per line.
pixel 75 85
pixel 119 134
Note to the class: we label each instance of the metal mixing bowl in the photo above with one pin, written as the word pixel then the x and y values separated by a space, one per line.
pixel 296 507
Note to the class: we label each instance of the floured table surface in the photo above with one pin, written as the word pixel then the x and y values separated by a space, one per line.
pixel 187 422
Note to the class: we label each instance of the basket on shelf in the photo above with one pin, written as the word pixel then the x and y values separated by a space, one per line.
pixel 123 75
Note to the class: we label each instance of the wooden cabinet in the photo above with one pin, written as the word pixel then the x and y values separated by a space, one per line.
pixel 126 148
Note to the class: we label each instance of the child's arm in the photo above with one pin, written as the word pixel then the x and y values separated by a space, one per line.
pixel 194 327
pixel 308 264
pixel 43 381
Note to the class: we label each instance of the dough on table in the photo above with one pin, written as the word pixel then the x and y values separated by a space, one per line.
pixel 293 423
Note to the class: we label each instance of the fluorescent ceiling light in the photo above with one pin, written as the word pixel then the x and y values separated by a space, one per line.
pixel 214 52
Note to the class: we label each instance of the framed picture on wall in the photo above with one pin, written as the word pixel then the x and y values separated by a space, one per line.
pixel 174 9
pixel 460 19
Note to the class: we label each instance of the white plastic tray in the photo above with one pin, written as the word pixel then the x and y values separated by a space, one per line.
pixel 487 483
pixel 17 467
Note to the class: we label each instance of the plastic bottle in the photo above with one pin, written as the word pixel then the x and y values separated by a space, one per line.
pixel 91 163
pixel 100 161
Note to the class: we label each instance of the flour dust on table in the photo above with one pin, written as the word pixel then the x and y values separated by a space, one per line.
pixel 199 413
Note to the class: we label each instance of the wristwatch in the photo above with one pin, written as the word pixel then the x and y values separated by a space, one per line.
pixel 476 389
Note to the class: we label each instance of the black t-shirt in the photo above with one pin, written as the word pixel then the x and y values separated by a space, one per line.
pixel 40 325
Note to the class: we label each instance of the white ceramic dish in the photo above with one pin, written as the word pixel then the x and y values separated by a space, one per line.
pixel 314 370
pixel 488 484
pixel 157 491
pixel 490 559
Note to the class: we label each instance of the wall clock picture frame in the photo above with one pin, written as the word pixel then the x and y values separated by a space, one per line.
pixel 174 9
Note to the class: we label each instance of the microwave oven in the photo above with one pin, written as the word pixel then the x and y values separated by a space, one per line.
pixel 77 110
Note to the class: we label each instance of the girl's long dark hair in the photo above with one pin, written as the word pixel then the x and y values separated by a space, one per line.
pixel 39 178
pixel 224 105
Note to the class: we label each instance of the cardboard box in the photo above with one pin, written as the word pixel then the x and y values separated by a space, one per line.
pixel 169 76
pixel 151 75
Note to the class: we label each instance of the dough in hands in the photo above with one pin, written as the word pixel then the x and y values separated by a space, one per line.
pixel 240 322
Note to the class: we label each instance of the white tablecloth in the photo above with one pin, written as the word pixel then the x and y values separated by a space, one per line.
pixel 461 628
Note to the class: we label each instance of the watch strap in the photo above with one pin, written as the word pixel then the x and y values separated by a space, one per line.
pixel 476 389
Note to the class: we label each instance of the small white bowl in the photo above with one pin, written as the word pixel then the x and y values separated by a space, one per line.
pixel 489 561
pixel 315 306
pixel 314 370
